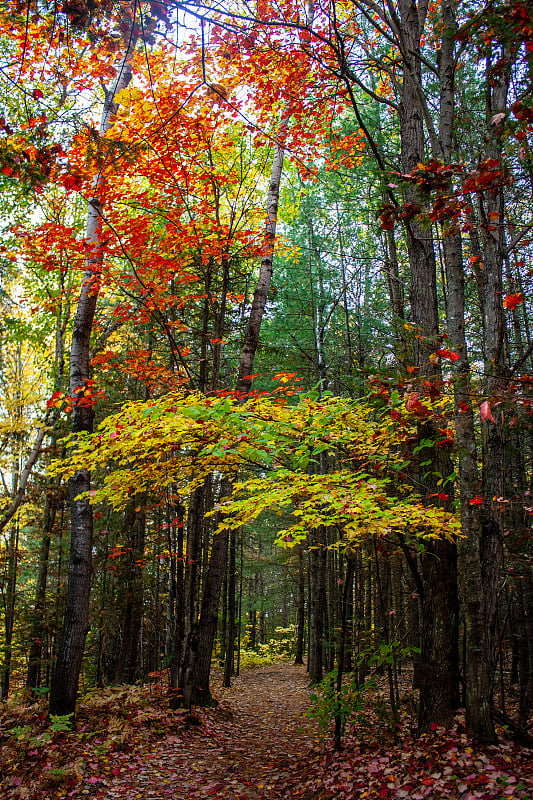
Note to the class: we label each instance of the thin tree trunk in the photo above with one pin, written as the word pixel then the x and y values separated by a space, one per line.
pixel 317 554
pixel 9 610
pixel 300 611
pixel 347 331
pixel 197 658
pixel 185 641
pixel 523 586
pixel 239 606
pixel 33 677
pixel 18 496
pixel 347 592
pixel 224 621
pixel 230 647
pixel 128 662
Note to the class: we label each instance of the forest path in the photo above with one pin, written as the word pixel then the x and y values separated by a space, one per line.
pixel 256 748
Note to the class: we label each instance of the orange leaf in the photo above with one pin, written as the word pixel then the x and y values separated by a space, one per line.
pixel 444 353
pixel 512 300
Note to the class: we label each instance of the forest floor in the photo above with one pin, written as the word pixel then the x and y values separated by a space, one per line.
pixel 255 745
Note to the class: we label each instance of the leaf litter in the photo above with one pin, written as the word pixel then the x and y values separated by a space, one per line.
pixel 255 745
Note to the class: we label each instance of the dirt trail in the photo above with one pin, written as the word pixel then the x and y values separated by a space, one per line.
pixel 254 747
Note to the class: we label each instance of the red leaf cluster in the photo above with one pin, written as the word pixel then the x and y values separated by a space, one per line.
pixel 512 300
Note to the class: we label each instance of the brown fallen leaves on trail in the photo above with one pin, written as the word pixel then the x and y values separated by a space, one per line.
pixel 128 744
pixel 255 745
pixel 249 748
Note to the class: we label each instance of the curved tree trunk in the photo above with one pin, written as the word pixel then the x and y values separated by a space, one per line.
pixel 65 678
pixel 196 654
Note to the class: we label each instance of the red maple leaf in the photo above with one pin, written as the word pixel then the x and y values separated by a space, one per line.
pixel 445 353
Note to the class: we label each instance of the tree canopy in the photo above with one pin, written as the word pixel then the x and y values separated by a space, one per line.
pixel 265 282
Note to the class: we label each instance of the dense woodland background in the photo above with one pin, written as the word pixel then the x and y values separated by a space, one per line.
pixel 314 432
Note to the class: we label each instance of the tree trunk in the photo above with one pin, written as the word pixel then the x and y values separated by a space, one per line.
pixel 185 632
pixel 439 639
pixel 128 663
pixel 523 591
pixel 317 562
pixel 10 598
pixel 347 592
pixel 33 677
pixel 230 647
pixel 482 548
pixel 439 657
pixel 65 678
pixel 197 659
pixel 239 606
pixel 18 496
pixel 197 654
pixel 300 611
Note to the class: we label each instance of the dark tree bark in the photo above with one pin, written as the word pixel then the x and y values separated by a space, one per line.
pixel 346 594
pixel 253 626
pixel 229 666
pixel 9 611
pixel 185 641
pixel 481 549
pixel 33 677
pixel 523 605
pixel 224 621
pixel 300 611
pixel 127 669
pixel 197 658
pixel 197 650
pixel 239 606
pixel 316 605
pixel 439 632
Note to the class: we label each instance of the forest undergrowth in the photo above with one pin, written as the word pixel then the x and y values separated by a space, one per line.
pixel 256 744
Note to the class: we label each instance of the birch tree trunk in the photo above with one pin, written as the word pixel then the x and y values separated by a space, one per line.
pixel 65 678
pixel 17 497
